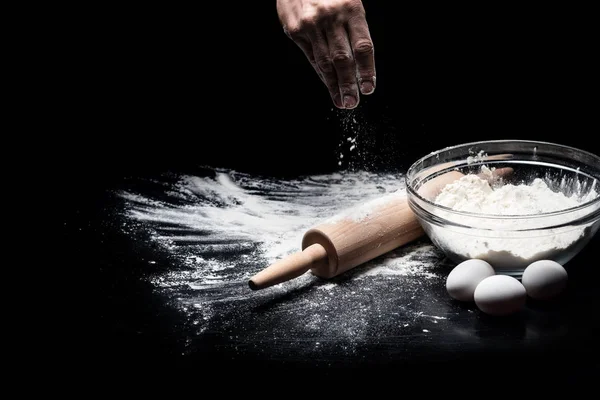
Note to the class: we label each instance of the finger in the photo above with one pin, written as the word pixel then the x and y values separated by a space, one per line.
pixel 341 55
pixel 306 48
pixel 363 51
pixel 297 37
pixel 325 65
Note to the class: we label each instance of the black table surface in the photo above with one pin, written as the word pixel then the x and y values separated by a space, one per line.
pixel 338 328
pixel 158 117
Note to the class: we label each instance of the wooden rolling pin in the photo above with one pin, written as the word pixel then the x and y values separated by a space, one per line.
pixel 335 247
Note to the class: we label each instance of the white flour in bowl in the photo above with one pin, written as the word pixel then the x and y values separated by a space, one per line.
pixel 475 195
pixel 505 248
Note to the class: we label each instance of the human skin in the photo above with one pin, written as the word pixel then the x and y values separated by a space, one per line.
pixel 335 37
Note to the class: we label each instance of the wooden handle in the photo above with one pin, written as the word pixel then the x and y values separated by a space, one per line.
pixel 290 267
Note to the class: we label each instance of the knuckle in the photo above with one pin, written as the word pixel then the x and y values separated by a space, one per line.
pixel 363 48
pixel 324 64
pixel 348 88
pixel 326 10
pixel 341 57
pixel 354 7
pixel 293 31
pixel 298 28
pixel 308 21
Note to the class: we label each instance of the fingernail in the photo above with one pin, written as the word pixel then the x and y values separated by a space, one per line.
pixel 337 100
pixel 349 101
pixel 367 87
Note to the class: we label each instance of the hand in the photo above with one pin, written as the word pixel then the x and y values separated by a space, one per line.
pixel 334 36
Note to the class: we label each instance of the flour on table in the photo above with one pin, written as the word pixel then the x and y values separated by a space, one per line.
pixel 212 233
pixel 370 208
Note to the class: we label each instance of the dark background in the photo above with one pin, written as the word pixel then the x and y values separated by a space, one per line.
pixel 222 85
pixel 157 90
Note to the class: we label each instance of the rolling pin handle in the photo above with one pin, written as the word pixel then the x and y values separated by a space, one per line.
pixel 290 267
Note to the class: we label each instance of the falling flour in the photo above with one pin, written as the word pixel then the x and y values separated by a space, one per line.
pixel 356 143
pixel 505 248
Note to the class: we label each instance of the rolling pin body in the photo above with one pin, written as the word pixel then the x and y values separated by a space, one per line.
pixel 344 243
pixel 350 242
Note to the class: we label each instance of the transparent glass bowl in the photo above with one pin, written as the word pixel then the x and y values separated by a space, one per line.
pixel 510 242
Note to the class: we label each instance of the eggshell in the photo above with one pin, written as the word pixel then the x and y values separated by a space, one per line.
pixel 464 278
pixel 500 295
pixel 544 279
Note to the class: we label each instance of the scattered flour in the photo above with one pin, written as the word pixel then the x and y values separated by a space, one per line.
pixel 476 158
pixel 503 242
pixel 362 211
pixel 209 234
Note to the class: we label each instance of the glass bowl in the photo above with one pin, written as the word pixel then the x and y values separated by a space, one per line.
pixel 508 242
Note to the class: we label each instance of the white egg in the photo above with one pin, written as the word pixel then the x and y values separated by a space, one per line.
pixel 500 295
pixel 544 279
pixel 464 278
